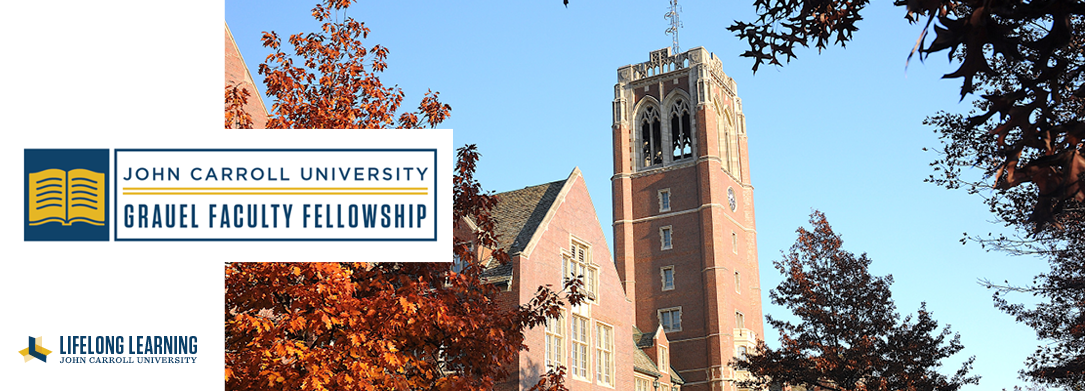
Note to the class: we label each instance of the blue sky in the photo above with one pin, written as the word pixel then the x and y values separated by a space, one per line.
pixel 531 82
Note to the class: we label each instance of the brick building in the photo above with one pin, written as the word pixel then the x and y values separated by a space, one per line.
pixel 237 74
pixel 551 233
pixel 685 262
pixel 685 241
pixel 684 274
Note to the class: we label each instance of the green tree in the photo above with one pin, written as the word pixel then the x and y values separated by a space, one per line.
pixel 850 336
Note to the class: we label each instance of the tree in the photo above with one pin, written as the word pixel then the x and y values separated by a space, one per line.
pixel 1054 230
pixel 369 326
pixel 1058 317
pixel 332 88
pixel 236 116
pixel 377 326
pixel 1021 147
pixel 850 336
pixel 1037 134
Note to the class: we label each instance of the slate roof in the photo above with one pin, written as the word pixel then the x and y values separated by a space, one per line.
pixel 496 272
pixel 518 213
pixel 642 339
pixel 517 216
pixel 643 364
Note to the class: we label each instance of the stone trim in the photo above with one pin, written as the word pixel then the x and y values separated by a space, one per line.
pixel 687 211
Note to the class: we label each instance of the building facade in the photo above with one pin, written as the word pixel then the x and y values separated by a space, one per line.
pixel 551 234
pixel 685 241
pixel 684 275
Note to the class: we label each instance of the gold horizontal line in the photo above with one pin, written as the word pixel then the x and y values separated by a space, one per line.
pixel 274 188
pixel 276 193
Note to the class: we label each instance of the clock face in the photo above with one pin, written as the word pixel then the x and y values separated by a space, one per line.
pixel 731 199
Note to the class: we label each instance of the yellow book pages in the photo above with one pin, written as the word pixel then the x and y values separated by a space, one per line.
pixel 48 197
pixel 86 197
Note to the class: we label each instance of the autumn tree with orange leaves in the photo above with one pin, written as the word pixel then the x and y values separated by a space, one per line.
pixel 370 326
pixel 381 326
pixel 850 337
pixel 329 80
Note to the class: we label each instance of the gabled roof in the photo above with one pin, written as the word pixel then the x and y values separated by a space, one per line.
pixel 520 217
pixel 496 272
pixel 642 339
pixel 519 213
pixel 643 364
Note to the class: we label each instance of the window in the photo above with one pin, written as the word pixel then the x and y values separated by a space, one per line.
pixel 734 242
pixel 667 274
pixel 651 137
pixel 577 265
pixel 681 142
pixel 724 130
pixel 642 384
pixel 742 352
pixel 555 341
pixel 740 321
pixel 665 237
pixel 664 200
pixel 578 356
pixel 671 319
pixel 457 263
pixel 658 145
pixel 664 358
pixel 604 354
pixel 738 283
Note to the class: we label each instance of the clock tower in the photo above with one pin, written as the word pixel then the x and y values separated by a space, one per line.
pixel 685 242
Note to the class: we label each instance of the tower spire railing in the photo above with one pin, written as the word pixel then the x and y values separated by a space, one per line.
pixel 661 61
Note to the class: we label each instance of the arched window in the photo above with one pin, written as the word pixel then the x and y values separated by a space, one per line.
pixel 681 139
pixel 651 138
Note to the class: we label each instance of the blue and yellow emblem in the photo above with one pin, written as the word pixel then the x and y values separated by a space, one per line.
pixel 67 194
pixel 35 350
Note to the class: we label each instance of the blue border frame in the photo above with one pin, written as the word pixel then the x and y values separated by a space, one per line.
pixel 435 205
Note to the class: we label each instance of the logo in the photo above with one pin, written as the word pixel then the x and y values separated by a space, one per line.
pixel 35 350
pixel 276 194
pixel 67 194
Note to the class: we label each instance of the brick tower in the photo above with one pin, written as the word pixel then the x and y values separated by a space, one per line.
pixel 685 242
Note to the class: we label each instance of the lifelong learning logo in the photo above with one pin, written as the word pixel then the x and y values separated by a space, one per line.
pixel 35 350
pixel 116 349
pixel 67 196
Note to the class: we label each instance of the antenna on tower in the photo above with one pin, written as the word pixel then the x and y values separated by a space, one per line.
pixel 675 25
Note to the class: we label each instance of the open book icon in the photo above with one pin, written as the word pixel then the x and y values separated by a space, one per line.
pixel 67 196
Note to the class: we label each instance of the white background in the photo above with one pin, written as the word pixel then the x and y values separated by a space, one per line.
pixel 128 74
